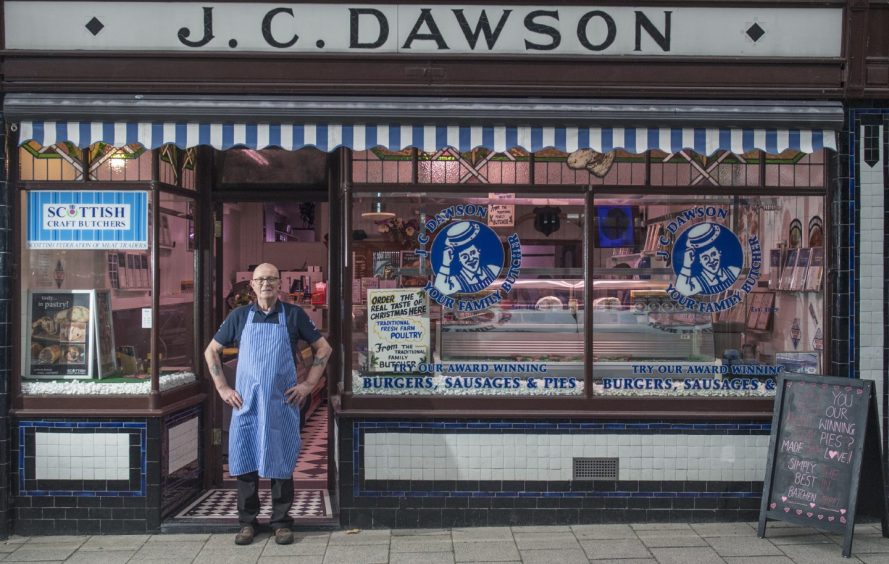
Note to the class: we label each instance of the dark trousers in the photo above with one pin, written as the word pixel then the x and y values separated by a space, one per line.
pixel 248 500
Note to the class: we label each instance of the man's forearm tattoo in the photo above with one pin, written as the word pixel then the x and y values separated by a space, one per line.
pixel 320 360
pixel 215 370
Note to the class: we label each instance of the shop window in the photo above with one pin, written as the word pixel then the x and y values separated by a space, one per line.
pixel 703 295
pixel 176 344
pixel 478 295
pixel 86 291
pixel 289 222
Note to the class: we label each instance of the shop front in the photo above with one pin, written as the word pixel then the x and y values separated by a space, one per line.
pixel 548 309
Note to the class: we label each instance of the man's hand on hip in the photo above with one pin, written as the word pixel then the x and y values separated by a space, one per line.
pixel 296 394
pixel 231 396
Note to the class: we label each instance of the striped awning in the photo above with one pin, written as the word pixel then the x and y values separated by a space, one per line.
pixel 428 124
pixel 426 137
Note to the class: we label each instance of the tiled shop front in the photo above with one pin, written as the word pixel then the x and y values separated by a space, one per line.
pixel 562 267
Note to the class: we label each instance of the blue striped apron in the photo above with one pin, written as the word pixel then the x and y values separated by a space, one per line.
pixel 264 434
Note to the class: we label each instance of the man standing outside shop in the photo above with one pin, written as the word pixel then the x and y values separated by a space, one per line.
pixel 264 437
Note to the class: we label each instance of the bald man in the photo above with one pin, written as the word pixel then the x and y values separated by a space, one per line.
pixel 264 437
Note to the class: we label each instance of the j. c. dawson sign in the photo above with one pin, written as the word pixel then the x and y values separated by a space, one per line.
pixel 380 28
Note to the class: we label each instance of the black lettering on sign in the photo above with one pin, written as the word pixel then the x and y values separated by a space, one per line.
pixel 267 29
pixel 531 24
pixel 818 462
pixel 185 33
pixel 583 28
pixel 434 34
pixel 354 21
pixel 662 39
pixel 482 26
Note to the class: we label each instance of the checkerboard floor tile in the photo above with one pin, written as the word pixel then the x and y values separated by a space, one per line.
pixel 223 504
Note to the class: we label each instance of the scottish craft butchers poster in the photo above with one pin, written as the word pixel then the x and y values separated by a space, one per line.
pixel 87 220
pixel 60 337
pixel 397 330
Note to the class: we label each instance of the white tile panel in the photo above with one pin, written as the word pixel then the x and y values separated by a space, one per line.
pixel 183 444
pixel 391 456
pixel 82 456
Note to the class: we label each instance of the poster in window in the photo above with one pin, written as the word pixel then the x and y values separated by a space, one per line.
pixel 60 340
pixel 69 219
pixel 799 273
pixel 397 330
pixel 104 324
pixel 789 267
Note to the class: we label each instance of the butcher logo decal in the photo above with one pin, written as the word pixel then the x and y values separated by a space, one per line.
pixel 708 260
pixel 467 258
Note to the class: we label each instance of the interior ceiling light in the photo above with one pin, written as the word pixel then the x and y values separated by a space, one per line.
pixel 377 210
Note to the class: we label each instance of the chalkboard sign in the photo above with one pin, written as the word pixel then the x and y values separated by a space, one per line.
pixel 823 451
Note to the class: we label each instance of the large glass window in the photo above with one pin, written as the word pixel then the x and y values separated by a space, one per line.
pixel 709 295
pixel 468 294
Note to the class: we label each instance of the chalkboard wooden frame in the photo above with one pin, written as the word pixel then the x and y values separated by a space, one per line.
pixel 867 473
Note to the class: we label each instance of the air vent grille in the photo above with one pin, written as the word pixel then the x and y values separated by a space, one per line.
pixel 595 468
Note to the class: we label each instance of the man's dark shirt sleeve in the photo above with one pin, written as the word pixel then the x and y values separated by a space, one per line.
pixel 227 334
pixel 306 328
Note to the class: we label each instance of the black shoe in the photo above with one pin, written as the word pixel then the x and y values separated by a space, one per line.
pixel 283 535
pixel 245 535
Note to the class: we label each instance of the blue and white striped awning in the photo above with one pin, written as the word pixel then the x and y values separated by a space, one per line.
pixel 426 137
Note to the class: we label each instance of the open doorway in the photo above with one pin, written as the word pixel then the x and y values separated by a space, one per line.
pixel 270 207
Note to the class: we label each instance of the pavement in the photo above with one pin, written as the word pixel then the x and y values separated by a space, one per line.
pixel 674 543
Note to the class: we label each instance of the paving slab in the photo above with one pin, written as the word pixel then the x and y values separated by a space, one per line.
pixel 247 554
pixel 543 541
pixel 475 534
pixel 724 529
pixel 873 558
pixel 60 539
pixel 101 557
pixel 556 556
pixel 227 541
pixel 614 548
pixel 289 560
pixel 603 532
pixel 419 532
pixel 758 560
pixel 663 539
pixel 425 558
pixel 298 548
pixel 541 529
pixel 661 527
pixel 817 538
pixel 114 542
pixel 41 552
pixel 371 536
pixel 357 554
pixel 186 537
pixel 866 545
pixel 440 543
pixel 686 555
pixel 488 551
pixel 817 554
pixel 172 551
pixel 734 546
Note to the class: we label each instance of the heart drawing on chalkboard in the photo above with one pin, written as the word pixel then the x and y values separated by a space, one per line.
pixel 842 519
pixel 812 505
pixel 799 511
pixel 832 453
pixel 772 506
pixel 831 518
pixel 859 391
pixel 821 517
pixel 783 498
pixel 809 514
pixel 786 510
pixel 842 511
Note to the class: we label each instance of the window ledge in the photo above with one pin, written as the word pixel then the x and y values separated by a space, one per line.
pixel 95 388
